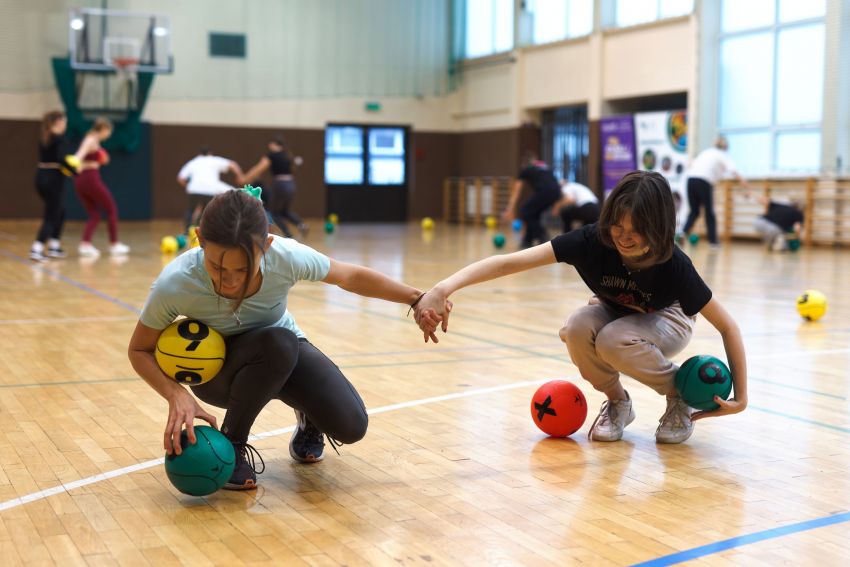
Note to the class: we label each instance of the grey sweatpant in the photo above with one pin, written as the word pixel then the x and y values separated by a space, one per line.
pixel 768 230
pixel 604 343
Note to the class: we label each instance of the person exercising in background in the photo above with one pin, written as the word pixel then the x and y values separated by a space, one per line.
pixel 547 191
pixel 778 220
pixel 709 167
pixel 578 203
pixel 200 176
pixel 93 193
pixel 50 184
pixel 281 192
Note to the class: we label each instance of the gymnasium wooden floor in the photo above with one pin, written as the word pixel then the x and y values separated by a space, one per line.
pixel 452 471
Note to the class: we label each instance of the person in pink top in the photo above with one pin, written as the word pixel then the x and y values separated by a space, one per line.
pixel 93 193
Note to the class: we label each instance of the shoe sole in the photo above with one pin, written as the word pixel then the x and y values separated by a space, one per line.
pixel 666 442
pixel 308 459
pixel 249 485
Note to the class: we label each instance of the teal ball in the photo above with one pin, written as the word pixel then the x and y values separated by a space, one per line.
pixel 329 227
pixel 700 379
pixel 499 240
pixel 181 241
pixel 204 467
pixel 794 244
pixel 693 239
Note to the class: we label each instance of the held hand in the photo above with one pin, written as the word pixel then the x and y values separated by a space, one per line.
pixel 508 214
pixel 727 407
pixel 183 409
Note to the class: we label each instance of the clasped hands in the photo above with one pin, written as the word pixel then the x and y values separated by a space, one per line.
pixel 431 312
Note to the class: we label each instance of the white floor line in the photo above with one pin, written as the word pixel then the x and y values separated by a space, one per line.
pixel 68 486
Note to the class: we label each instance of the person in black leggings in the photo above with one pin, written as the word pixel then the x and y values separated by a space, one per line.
pixel 547 192
pixel 280 193
pixel 237 283
pixel 50 184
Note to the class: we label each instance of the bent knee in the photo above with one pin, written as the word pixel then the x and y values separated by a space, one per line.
pixel 354 428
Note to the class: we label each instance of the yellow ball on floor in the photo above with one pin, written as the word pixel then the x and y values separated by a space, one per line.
pixel 427 223
pixel 490 222
pixel 190 351
pixel 333 217
pixel 811 305
pixel 193 237
pixel 168 245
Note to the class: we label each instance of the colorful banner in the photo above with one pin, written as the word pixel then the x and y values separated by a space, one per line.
pixel 662 145
pixel 618 149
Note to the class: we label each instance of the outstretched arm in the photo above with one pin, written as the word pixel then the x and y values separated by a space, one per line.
pixel 434 307
pixel 370 283
pixel 735 354
pixel 257 170
pixel 508 215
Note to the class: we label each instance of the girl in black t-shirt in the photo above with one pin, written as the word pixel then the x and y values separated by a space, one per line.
pixel 281 192
pixel 50 184
pixel 646 298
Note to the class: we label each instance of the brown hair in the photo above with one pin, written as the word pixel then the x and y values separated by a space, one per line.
pixel 235 219
pixel 647 197
pixel 47 122
pixel 99 124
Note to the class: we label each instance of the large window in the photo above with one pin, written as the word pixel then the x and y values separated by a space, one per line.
pixel 545 21
pixel 770 100
pixel 349 148
pixel 634 12
pixel 489 27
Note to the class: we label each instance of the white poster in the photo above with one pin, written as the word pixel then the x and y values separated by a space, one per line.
pixel 662 146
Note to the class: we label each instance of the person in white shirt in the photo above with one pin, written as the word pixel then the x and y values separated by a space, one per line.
pixel 709 167
pixel 578 203
pixel 201 179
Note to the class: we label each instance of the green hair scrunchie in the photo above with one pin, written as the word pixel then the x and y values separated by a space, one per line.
pixel 255 192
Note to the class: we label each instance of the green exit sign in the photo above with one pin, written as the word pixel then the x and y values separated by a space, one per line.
pixel 372 106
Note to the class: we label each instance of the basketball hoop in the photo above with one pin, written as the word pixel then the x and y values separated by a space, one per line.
pixel 127 69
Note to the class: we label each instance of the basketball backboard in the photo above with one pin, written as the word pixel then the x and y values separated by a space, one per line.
pixel 97 38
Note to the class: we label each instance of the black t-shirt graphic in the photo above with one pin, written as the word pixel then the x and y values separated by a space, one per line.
pixel 642 291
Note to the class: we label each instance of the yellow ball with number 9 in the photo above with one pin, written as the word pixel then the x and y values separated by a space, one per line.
pixel 190 351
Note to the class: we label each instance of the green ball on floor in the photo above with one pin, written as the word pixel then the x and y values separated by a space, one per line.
pixel 204 467
pixel 794 244
pixel 499 240
pixel 693 239
pixel 329 227
pixel 181 241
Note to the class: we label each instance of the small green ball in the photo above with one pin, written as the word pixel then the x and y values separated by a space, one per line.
pixel 329 227
pixel 499 240
pixel 181 241
pixel 693 239
pixel 794 244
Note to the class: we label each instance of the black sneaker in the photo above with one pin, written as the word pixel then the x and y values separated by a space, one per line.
pixel 308 443
pixel 245 472
pixel 56 253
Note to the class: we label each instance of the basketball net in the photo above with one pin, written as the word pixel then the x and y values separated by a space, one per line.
pixel 127 70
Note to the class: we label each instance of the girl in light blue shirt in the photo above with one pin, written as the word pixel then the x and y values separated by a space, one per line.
pixel 237 282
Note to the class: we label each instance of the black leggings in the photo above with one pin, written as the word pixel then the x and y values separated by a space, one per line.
pixel 195 200
pixel 273 364
pixel 530 213
pixel 50 184
pixel 701 194
pixel 281 193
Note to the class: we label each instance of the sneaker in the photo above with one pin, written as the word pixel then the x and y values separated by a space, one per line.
pixel 613 417
pixel 303 230
pixel 308 443
pixel 119 249
pixel 675 426
pixel 245 471
pixel 37 256
pixel 56 253
pixel 86 250
pixel 778 244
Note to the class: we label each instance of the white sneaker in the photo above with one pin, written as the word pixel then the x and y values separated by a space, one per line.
pixel 86 250
pixel 612 420
pixel 37 256
pixel 675 425
pixel 119 249
pixel 778 244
